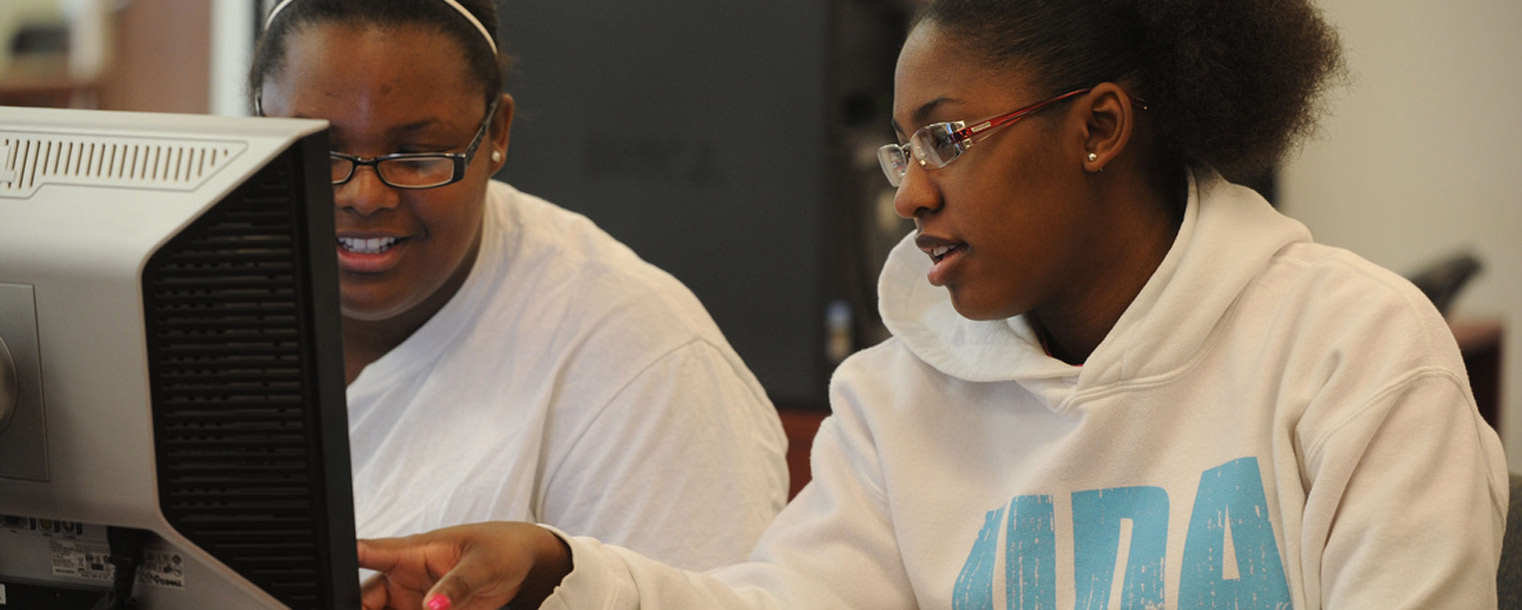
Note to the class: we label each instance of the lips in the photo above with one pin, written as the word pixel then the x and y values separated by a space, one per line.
pixel 373 245
pixel 369 253
pixel 939 252
pixel 943 253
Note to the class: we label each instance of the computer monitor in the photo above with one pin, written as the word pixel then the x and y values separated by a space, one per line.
pixel 171 362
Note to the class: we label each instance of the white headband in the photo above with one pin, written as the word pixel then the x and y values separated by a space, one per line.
pixel 473 21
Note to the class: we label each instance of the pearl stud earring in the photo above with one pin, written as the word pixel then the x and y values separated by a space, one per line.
pixel 1093 157
pixel 496 156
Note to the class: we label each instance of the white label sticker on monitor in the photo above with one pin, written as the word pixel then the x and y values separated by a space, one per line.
pixel 81 560
pixel 160 568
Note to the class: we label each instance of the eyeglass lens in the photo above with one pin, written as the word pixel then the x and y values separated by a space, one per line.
pixel 937 145
pixel 894 163
pixel 404 172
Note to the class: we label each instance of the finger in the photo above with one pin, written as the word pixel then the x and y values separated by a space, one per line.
pixel 372 594
pixel 438 602
pixel 380 593
pixel 381 554
pixel 401 590
pixel 411 564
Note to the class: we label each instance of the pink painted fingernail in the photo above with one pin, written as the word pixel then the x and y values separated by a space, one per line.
pixel 438 602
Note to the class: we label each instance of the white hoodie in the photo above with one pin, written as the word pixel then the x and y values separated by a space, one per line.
pixel 1270 424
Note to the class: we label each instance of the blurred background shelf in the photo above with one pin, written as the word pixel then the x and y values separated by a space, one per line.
pixel 27 86
pixel 1480 343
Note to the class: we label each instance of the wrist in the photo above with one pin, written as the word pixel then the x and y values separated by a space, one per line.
pixel 552 562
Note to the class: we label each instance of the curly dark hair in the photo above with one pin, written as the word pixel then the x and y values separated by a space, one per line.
pixel 1231 84
pixel 488 67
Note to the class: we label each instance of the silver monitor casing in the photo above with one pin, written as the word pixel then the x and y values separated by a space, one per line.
pixel 86 197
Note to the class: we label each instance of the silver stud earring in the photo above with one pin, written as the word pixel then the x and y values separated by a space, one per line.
pixel 496 156
pixel 1093 157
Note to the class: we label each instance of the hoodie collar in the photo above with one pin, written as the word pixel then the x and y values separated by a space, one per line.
pixel 1226 238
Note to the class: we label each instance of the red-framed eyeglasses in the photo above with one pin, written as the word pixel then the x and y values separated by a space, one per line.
pixel 938 144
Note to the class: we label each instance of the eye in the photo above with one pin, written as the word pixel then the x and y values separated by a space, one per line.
pixel 940 143
pixel 424 146
pixel 943 136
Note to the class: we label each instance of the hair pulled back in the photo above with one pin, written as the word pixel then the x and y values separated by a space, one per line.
pixel 1232 84
pixel 486 66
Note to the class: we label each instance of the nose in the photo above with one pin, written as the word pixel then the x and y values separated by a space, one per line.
pixel 916 195
pixel 364 193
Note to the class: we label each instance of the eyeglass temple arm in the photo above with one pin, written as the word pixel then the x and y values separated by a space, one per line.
pixel 968 132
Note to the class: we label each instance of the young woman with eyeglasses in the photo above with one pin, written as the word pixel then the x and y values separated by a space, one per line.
pixel 506 359
pixel 1116 378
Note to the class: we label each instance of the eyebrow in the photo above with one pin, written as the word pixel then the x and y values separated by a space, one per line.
pixel 408 129
pixel 421 130
pixel 922 113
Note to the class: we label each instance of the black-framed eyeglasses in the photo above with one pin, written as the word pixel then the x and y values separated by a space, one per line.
pixel 413 170
pixel 938 144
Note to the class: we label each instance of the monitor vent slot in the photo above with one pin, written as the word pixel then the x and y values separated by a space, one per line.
pixel 30 161
pixel 233 386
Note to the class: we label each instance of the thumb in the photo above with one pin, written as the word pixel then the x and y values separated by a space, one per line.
pixel 488 574
pixel 469 586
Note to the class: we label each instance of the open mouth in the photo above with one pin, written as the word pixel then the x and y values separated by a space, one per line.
pixel 373 245
pixel 940 252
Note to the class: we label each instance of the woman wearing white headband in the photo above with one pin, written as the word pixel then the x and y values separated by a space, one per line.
pixel 506 359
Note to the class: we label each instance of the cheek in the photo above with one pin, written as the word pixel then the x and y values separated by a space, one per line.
pixel 433 212
pixel 1028 227
pixel 444 208
pixel 1012 214
pixel 1035 199
pixel 450 224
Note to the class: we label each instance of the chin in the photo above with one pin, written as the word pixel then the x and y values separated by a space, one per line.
pixel 980 309
pixel 357 314
pixel 366 311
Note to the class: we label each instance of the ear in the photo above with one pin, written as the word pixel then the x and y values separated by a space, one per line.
pixel 501 132
pixel 1109 115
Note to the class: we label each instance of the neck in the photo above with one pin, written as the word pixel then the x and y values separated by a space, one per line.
pixel 367 340
pixel 1142 219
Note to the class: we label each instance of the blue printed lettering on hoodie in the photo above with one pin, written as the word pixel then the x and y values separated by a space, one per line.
pixel 1230 558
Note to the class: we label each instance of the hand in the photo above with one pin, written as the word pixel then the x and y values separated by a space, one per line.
pixel 483 565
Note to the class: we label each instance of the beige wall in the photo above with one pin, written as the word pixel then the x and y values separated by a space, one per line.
pixel 1419 156
pixel 162 57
